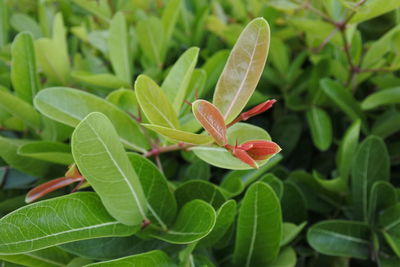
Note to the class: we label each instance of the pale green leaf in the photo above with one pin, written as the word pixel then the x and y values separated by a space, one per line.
pixel 181 136
pixel 150 34
pixel 47 151
pixel 56 221
pixel 49 257
pixel 51 102
pixel 380 98
pixel 373 8
pixel 102 79
pixel 98 8
pixel 102 160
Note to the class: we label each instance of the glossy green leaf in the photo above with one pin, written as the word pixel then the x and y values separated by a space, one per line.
pixel 47 151
pixel 20 109
pixel 160 200
pixel 290 231
pixel 258 233
pixel 225 216
pixel 56 221
pixel 390 225
pixel 48 257
pixel 286 258
pixel 50 102
pixel 9 153
pixel 195 220
pixel 340 238
pixel 211 119
pixel 118 46
pixel 380 98
pixel 24 76
pixel 154 103
pixel 156 258
pixel 103 79
pixel 342 98
pixel 102 160
pixel 321 128
pixel 274 182
pixel 373 8
pixel 243 69
pixel 383 196
pixel 150 35
pixel 180 136
pixel 371 163
pixel 197 189
pixel 177 81
pixel 347 148
pixel 220 157
pixel 52 54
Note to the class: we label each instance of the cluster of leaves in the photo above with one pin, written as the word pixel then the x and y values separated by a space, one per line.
pixel 94 92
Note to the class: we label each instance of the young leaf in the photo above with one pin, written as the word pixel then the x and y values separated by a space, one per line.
pixel 321 128
pixel 20 109
pixel 371 163
pixel 152 258
pixel 95 142
pixel 243 69
pixel 384 97
pixel 48 151
pixel 118 47
pixel 154 103
pixel 340 238
pixel 56 221
pixel 160 200
pixel 259 223
pixel 211 119
pixel 195 220
pixel 177 81
pixel 180 136
pixel 51 103
pixel 24 76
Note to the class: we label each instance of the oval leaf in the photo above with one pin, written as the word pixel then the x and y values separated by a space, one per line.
pixel 259 223
pixel 321 128
pixel 243 69
pixel 51 102
pixel 102 160
pixel 56 221
pixel 211 119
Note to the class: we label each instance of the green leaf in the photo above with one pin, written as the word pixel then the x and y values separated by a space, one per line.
pixel 290 231
pixel 211 119
pixel 125 99
pixel 48 257
pixel 180 136
pixel 100 8
pixel 56 221
pixel 47 151
pixel 342 98
pixel 390 225
pixel 169 18
pixel 4 25
pixel 156 258
pixel 195 89
pixel 274 182
pixel 222 158
pixel 294 205
pixel 22 22
pixel 386 124
pixel 118 46
pixel 20 109
pixel 383 97
pixel 150 34
pixel 195 220
pixel 340 238
pixel 197 189
pixel 102 160
pixel 8 152
pixel 177 81
pixel 161 202
pixel 259 223
pixel 286 258
pixel 24 76
pixel 51 103
pixel 52 54
pixel 321 128
pixel 347 148
pixel 102 79
pixel 213 68
pixel 243 69
pixel 225 216
pixel 374 8
pixel 383 196
pixel 371 164
pixel 154 103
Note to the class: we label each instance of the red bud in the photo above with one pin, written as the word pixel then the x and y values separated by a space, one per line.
pixel 260 150
pixel 244 157
pixel 260 108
